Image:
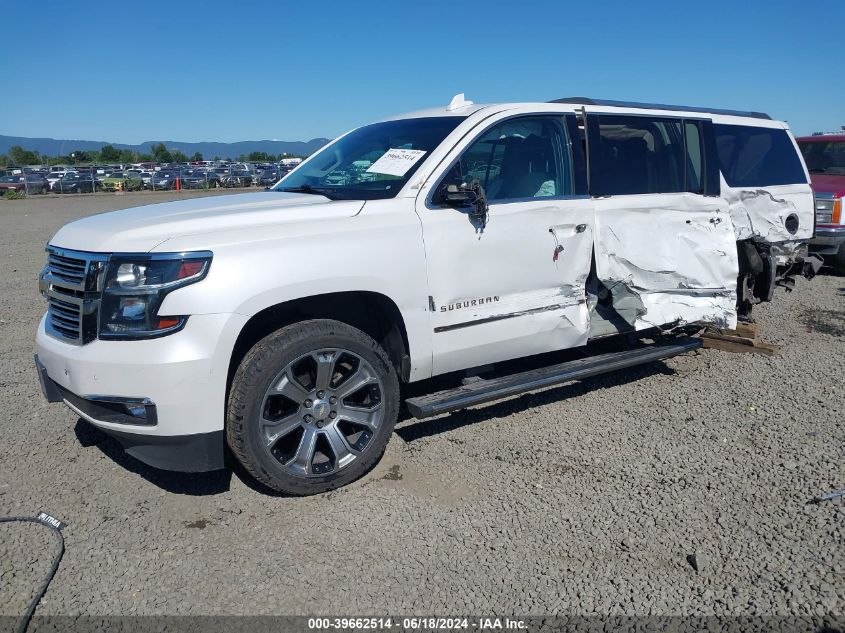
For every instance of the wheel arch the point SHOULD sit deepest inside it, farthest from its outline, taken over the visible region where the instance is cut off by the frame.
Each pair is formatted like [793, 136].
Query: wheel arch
[375, 314]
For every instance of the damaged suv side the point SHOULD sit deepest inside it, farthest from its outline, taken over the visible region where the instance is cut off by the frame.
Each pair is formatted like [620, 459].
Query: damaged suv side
[766, 184]
[282, 323]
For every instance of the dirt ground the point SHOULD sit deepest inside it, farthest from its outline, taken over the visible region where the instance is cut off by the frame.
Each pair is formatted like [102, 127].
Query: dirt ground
[589, 498]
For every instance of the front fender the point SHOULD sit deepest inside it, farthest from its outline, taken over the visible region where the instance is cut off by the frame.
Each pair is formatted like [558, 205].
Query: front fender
[379, 251]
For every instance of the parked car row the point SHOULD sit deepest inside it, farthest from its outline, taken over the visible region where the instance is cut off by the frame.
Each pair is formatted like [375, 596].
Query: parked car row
[58, 179]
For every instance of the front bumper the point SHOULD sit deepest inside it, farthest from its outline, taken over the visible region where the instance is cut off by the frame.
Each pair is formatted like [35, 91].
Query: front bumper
[163, 399]
[828, 240]
[201, 452]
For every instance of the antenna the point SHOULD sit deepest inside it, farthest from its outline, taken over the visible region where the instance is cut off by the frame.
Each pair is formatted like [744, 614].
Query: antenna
[458, 102]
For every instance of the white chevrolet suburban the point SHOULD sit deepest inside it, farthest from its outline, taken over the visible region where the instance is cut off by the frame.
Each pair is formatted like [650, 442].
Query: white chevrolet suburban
[282, 323]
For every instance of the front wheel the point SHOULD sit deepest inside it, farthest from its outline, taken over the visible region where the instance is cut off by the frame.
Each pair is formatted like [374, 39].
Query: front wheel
[312, 407]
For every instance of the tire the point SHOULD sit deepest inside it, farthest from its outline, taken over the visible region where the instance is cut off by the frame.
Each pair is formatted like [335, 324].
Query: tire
[278, 387]
[43, 191]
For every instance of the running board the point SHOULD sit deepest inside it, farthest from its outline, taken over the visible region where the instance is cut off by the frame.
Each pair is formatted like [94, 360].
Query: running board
[483, 391]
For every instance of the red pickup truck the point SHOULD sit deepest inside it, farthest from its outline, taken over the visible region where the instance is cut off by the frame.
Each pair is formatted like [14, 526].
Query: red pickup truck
[825, 158]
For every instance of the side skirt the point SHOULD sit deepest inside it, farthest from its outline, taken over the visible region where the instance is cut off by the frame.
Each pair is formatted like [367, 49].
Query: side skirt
[482, 391]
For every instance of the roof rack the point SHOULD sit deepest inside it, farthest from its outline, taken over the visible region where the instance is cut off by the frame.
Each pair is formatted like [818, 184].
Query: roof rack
[657, 106]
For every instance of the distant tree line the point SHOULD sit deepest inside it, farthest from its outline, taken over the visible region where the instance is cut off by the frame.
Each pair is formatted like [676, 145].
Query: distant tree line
[18, 157]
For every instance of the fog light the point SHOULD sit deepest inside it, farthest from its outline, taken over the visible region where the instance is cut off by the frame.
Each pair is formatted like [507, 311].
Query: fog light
[114, 410]
[137, 410]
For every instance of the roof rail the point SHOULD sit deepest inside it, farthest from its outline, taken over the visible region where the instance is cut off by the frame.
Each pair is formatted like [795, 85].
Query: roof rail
[658, 106]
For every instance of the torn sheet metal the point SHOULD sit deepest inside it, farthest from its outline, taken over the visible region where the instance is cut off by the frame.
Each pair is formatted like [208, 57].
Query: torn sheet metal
[666, 264]
[763, 213]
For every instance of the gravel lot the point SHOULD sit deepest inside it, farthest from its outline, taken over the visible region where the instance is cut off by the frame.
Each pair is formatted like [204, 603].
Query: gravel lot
[588, 498]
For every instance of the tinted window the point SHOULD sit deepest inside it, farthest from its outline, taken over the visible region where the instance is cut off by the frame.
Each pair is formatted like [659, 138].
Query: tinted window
[757, 157]
[518, 159]
[634, 155]
[695, 157]
[824, 157]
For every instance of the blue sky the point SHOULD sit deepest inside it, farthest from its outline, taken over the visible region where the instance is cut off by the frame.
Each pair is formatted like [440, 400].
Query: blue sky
[241, 70]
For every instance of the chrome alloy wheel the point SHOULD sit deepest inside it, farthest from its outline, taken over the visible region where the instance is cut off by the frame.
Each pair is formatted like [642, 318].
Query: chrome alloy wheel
[321, 411]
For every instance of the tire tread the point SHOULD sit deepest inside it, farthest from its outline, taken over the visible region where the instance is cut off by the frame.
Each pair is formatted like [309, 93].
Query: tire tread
[247, 382]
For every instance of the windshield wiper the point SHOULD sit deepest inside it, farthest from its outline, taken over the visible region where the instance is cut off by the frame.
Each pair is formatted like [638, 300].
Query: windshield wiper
[318, 191]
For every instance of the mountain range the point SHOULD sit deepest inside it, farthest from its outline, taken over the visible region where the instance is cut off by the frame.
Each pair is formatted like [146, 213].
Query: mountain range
[62, 147]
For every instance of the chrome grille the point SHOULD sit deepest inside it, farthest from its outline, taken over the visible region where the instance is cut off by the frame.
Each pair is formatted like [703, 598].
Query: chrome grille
[71, 282]
[64, 318]
[67, 268]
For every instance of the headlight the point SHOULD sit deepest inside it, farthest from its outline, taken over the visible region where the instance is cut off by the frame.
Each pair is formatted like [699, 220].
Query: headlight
[134, 287]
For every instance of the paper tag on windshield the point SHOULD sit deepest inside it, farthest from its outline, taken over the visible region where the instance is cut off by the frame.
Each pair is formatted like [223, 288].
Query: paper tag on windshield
[396, 162]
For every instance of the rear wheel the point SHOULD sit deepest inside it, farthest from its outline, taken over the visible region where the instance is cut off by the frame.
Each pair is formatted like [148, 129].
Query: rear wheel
[312, 407]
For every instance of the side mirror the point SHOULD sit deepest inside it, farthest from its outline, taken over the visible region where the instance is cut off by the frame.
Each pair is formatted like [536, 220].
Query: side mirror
[458, 195]
[468, 194]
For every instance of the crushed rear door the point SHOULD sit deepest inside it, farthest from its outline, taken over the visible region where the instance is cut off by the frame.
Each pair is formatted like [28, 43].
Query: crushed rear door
[664, 245]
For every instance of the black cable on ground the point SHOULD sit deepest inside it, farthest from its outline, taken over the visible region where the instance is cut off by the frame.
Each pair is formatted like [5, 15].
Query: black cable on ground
[42, 588]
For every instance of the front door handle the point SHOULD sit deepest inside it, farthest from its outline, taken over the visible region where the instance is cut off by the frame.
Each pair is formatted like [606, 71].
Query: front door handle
[580, 228]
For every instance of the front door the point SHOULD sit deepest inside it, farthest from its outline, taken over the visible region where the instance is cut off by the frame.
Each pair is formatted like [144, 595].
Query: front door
[516, 285]
[665, 246]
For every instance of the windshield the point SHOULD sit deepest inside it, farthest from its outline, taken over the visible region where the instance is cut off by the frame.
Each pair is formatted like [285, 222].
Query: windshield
[824, 157]
[372, 162]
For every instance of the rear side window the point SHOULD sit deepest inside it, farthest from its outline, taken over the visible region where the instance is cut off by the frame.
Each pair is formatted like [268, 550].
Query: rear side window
[636, 155]
[757, 157]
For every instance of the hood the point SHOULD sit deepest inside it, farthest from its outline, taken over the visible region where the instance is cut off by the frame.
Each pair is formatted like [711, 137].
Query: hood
[140, 229]
[828, 183]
